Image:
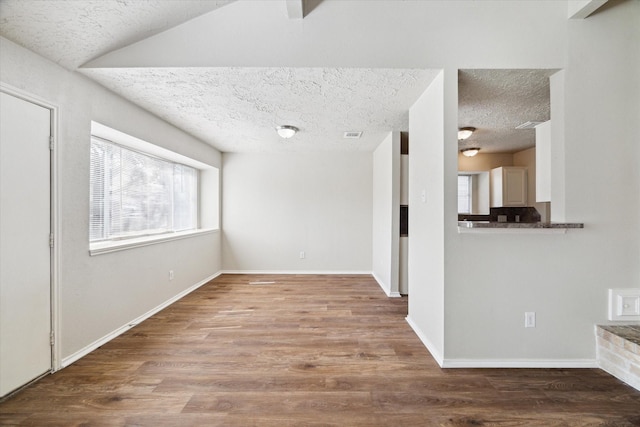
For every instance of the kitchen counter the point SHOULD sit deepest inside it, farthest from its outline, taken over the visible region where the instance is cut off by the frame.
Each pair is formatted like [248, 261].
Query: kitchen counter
[515, 227]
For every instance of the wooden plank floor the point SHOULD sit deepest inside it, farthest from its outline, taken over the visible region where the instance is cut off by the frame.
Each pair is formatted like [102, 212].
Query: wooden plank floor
[304, 351]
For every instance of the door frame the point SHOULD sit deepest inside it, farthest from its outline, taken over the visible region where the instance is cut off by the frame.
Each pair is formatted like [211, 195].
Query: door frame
[54, 184]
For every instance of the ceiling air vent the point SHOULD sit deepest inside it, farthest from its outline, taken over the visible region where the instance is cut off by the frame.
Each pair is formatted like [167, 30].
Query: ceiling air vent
[528, 125]
[352, 135]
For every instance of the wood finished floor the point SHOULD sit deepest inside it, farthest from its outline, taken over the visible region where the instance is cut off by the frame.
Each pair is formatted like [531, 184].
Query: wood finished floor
[305, 351]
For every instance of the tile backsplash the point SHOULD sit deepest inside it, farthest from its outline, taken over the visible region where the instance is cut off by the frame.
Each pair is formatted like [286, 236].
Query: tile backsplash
[522, 214]
[525, 214]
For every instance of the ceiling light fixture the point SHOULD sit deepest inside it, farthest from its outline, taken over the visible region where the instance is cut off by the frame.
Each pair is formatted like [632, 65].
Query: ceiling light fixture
[470, 152]
[464, 133]
[286, 131]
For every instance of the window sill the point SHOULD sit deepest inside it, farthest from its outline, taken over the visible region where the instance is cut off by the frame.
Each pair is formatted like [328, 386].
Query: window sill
[121, 245]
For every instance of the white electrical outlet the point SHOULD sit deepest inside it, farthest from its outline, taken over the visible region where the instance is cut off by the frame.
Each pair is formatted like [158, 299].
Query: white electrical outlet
[530, 319]
[302, 255]
[170, 274]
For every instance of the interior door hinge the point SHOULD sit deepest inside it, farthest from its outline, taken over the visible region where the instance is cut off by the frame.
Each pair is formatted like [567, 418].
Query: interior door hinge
[51, 142]
[51, 240]
[52, 338]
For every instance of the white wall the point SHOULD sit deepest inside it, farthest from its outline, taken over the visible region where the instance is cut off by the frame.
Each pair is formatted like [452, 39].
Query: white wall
[468, 292]
[492, 279]
[426, 219]
[100, 294]
[276, 205]
[386, 214]
[557, 148]
[381, 34]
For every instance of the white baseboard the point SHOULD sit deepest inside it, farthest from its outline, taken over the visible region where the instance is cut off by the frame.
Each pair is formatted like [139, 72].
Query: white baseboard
[331, 272]
[384, 287]
[443, 363]
[101, 341]
[381, 283]
[500, 363]
[427, 343]
[520, 363]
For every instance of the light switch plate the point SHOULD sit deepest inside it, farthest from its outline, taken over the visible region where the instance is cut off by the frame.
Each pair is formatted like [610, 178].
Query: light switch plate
[624, 304]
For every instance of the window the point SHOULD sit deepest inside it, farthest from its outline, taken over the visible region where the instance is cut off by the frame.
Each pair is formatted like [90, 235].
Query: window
[464, 193]
[143, 194]
[134, 194]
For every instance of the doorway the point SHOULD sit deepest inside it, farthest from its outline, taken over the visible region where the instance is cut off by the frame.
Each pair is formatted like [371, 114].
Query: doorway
[26, 240]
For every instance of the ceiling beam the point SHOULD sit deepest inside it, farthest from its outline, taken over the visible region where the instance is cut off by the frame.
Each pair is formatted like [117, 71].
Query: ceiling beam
[580, 9]
[295, 9]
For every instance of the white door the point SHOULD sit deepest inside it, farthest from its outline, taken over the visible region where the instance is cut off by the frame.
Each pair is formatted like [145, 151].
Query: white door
[25, 255]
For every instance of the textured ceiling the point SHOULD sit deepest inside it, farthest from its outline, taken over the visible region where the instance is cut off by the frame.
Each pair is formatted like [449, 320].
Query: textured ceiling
[496, 101]
[72, 32]
[237, 109]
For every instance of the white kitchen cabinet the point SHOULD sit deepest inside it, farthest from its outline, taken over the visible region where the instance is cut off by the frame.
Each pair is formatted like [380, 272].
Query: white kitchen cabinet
[543, 162]
[508, 186]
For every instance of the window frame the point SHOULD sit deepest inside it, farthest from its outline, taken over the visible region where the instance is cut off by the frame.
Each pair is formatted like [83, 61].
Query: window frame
[208, 193]
[151, 232]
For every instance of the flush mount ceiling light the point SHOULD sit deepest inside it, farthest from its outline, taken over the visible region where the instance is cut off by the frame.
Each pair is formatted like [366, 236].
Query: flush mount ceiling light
[470, 152]
[286, 131]
[464, 133]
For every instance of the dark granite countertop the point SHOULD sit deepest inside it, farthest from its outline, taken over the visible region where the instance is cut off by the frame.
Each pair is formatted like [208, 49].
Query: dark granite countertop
[488, 224]
[628, 332]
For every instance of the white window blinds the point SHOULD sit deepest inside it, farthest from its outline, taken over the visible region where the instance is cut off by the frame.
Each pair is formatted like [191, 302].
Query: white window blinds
[134, 194]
